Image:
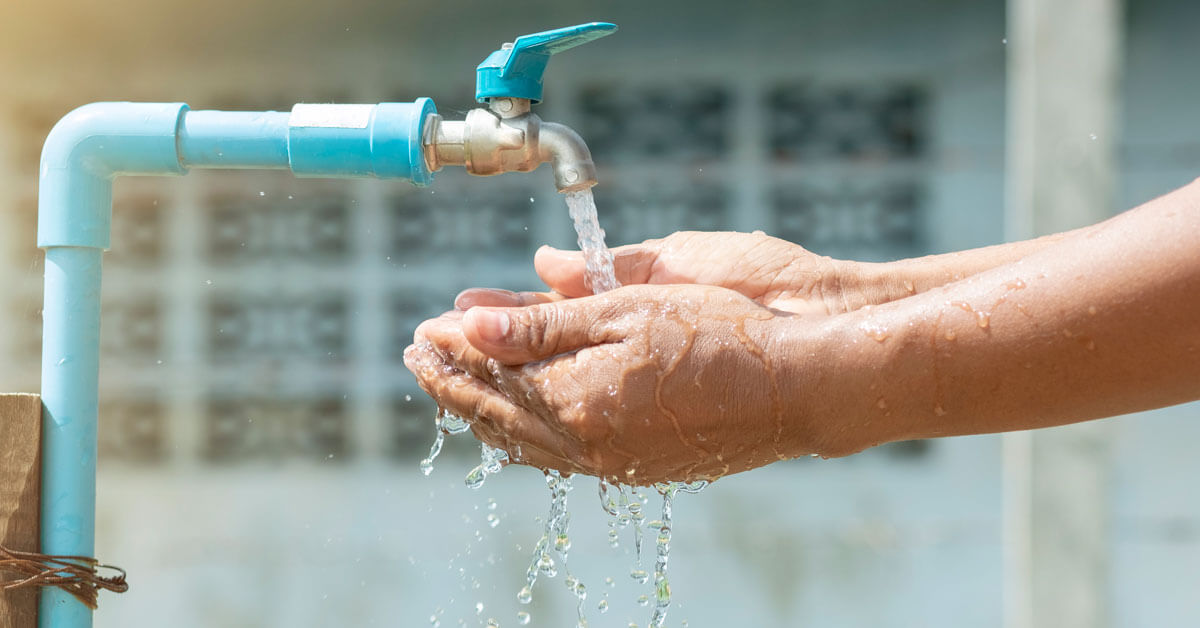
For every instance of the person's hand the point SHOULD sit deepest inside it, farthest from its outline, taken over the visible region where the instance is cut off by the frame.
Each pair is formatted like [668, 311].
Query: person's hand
[773, 272]
[639, 385]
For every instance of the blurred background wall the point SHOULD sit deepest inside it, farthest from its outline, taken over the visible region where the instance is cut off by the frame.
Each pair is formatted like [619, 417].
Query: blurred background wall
[260, 436]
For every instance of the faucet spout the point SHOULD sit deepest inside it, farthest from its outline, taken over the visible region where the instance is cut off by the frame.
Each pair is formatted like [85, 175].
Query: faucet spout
[507, 137]
[569, 156]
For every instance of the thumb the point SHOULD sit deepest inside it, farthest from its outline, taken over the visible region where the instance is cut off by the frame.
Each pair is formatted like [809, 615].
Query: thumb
[564, 271]
[516, 335]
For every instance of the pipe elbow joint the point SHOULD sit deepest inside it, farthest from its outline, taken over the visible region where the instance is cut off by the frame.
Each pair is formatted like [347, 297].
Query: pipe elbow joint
[85, 151]
[568, 155]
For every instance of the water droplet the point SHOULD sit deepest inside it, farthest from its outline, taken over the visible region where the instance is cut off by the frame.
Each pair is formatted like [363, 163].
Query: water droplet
[523, 618]
[475, 478]
[877, 333]
[493, 520]
[262, 193]
[492, 623]
[434, 621]
[643, 600]
[426, 466]
[1092, 136]
[951, 334]
[525, 595]
[478, 608]
[491, 503]
[982, 319]
[408, 397]
[939, 410]
[639, 575]
[609, 581]
[546, 566]
[908, 285]
[602, 606]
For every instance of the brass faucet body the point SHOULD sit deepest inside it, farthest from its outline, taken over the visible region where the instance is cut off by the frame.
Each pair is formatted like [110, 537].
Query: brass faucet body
[507, 137]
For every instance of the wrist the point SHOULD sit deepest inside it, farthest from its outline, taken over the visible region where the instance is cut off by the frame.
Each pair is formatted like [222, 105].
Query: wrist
[858, 380]
[891, 281]
[821, 375]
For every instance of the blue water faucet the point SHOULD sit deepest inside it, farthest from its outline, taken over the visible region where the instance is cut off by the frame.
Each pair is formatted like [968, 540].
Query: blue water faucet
[506, 136]
[96, 143]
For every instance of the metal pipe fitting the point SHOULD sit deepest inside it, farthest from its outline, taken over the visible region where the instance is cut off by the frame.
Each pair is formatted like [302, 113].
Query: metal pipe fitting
[507, 137]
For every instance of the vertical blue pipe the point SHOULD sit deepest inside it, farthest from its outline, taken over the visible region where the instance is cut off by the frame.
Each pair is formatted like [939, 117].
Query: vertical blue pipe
[84, 152]
[70, 388]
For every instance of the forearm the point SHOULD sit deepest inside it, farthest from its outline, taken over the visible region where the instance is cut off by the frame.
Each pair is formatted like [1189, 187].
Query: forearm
[1100, 322]
[906, 277]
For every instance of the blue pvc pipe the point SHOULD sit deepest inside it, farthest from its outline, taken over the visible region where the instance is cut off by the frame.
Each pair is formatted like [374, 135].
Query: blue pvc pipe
[234, 139]
[70, 388]
[84, 152]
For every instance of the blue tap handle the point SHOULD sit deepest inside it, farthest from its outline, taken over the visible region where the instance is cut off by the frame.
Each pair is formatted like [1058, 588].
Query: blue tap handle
[516, 71]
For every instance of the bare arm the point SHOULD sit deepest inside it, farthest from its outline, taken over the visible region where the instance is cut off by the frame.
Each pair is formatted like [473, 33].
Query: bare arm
[902, 278]
[691, 381]
[1095, 323]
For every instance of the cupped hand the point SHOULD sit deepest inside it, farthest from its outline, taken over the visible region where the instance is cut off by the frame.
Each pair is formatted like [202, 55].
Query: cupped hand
[638, 385]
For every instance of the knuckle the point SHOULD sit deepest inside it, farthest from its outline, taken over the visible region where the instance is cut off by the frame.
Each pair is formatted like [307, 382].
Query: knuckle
[544, 328]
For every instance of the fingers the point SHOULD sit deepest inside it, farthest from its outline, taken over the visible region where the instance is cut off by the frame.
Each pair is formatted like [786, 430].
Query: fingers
[444, 336]
[563, 271]
[529, 334]
[496, 419]
[491, 297]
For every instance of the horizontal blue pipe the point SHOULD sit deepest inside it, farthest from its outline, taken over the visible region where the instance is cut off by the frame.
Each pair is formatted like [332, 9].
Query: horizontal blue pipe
[234, 139]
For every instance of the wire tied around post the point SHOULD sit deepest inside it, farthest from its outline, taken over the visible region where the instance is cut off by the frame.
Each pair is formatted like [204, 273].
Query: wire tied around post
[77, 575]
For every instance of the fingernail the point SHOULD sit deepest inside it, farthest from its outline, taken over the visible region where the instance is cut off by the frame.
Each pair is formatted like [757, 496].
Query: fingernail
[558, 255]
[492, 326]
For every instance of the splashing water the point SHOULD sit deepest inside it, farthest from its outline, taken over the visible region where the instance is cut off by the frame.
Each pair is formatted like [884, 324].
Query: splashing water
[438, 441]
[444, 423]
[624, 509]
[491, 461]
[557, 525]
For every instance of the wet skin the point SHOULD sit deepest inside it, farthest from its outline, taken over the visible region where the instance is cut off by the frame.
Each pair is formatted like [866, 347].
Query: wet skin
[783, 353]
[657, 383]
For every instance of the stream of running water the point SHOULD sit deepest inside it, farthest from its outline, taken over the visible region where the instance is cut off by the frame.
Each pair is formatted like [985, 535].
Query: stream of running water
[623, 504]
